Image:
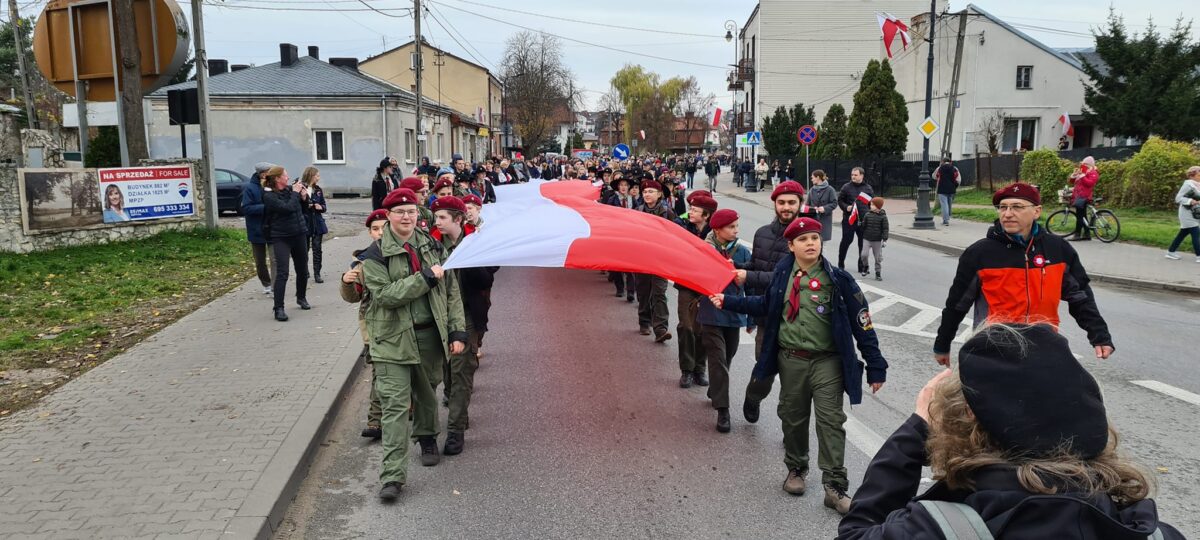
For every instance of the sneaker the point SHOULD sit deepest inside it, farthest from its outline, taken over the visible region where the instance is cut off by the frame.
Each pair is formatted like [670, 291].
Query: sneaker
[836, 498]
[630, 299]
[1198, 259]
[268, 291]
[663, 337]
[390, 491]
[878, 277]
[372, 432]
[1172, 255]
[794, 483]
[644, 330]
[700, 378]
[429, 451]
[685, 380]
[454, 444]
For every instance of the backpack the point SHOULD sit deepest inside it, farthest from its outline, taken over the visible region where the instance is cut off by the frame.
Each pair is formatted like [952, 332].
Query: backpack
[958, 521]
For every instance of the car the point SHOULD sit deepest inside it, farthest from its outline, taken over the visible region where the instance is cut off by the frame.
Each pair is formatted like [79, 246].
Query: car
[229, 190]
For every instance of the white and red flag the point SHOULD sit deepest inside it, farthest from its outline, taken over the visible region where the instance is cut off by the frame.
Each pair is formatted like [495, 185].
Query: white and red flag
[560, 225]
[642, 134]
[1067, 128]
[715, 117]
[862, 198]
[891, 25]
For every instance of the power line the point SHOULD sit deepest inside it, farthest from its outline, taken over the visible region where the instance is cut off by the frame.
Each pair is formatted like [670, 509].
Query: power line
[214, 3]
[376, 10]
[593, 23]
[438, 20]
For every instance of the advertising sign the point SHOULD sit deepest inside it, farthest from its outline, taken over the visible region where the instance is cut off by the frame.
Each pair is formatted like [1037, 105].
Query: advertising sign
[583, 154]
[140, 193]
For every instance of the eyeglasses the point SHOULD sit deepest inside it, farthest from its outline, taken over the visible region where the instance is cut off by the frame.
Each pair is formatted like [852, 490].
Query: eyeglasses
[1013, 207]
[412, 212]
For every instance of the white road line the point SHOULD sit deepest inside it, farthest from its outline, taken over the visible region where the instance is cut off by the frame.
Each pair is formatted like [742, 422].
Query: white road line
[919, 321]
[862, 437]
[1169, 390]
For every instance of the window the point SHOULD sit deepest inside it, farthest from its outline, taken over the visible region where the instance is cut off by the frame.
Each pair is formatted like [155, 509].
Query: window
[409, 145]
[1019, 134]
[327, 144]
[441, 145]
[1024, 77]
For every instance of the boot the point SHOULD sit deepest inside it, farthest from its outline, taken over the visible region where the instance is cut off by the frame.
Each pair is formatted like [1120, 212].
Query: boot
[317, 277]
[836, 498]
[372, 432]
[644, 330]
[429, 451]
[723, 420]
[303, 303]
[660, 338]
[750, 411]
[629, 298]
[700, 378]
[685, 380]
[280, 315]
[454, 444]
[390, 491]
[794, 483]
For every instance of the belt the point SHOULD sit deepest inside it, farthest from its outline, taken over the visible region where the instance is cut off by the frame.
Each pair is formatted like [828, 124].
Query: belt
[801, 353]
[425, 326]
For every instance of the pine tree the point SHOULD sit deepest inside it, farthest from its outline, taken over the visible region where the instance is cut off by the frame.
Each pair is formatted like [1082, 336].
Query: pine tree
[877, 126]
[831, 144]
[778, 137]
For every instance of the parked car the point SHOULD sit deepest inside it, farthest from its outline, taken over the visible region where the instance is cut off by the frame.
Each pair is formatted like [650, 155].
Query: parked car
[229, 190]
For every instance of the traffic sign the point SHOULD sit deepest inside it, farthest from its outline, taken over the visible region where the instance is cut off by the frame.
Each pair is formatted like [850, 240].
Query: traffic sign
[749, 139]
[621, 152]
[928, 127]
[806, 135]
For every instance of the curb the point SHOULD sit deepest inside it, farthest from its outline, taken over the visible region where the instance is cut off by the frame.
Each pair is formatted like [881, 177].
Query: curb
[268, 501]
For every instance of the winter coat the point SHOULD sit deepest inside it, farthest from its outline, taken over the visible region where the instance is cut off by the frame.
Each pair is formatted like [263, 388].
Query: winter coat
[356, 293]
[474, 284]
[314, 220]
[709, 315]
[1084, 185]
[702, 234]
[848, 196]
[875, 225]
[1020, 282]
[826, 197]
[283, 214]
[850, 323]
[887, 506]
[252, 209]
[379, 190]
[712, 168]
[769, 248]
[948, 178]
[393, 286]
[1190, 191]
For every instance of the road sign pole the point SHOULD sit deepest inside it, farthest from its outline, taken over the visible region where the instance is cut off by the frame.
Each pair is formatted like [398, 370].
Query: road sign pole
[807, 173]
[924, 218]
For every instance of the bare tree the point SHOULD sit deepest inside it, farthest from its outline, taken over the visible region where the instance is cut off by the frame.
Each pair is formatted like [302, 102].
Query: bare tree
[991, 129]
[612, 110]
[539, 86]
[694, 106]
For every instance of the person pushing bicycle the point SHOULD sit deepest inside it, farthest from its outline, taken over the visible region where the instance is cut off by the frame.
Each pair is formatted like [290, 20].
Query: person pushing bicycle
[1083, 182]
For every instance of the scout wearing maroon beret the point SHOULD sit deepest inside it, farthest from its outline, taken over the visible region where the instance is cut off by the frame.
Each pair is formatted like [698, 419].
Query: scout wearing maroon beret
[720, 331]
[653, 313]
[353, 291]
[421, 189]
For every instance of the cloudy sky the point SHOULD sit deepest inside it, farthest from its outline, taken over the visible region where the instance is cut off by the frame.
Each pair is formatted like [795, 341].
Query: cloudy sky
[670, 37]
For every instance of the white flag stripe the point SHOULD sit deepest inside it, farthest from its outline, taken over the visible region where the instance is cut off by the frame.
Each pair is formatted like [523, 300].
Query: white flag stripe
[522, 228]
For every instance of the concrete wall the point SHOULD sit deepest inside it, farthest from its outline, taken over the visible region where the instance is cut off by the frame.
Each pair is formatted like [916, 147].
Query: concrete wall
[464, 86]
[14, 239]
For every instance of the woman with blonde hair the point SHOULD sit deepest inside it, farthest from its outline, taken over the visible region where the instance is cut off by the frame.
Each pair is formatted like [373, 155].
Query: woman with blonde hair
[1020, 446]
[283, 226]
[314, 217]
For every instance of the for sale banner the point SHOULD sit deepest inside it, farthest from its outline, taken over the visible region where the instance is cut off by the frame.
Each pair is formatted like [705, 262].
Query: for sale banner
[139, 193]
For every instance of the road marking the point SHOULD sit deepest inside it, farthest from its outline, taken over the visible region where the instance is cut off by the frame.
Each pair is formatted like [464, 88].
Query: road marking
[862, 437]
[1169, 390]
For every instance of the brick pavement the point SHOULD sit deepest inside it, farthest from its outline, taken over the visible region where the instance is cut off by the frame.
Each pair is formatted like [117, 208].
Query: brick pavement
[201, 431]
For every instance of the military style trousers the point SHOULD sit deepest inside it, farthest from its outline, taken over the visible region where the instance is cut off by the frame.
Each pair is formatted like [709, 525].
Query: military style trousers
[375, 412]
[692, 358]
[402, 387]
[652, 302]
[720, 345]
[758, 390]
[808, 385]
[461, 384]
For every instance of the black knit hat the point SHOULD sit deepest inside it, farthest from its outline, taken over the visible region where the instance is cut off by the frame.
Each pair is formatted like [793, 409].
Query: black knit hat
[1030, 394]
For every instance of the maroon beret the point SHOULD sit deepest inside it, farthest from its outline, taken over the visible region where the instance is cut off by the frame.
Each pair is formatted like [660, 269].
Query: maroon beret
[698, 193]
[472, 198]
[448, 202]
[398, 197]
[790, 187]
[722, 217]
[443, 183]
[651, 184]
[703, 201]
[376, 216]
[1019, 190]
[413, 183]
[800, 226]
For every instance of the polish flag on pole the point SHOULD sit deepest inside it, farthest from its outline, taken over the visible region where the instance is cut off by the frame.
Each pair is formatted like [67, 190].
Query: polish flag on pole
[890, 25]
[560, 225]
[1065, 120]
[642, 134]
[715, 117]
[862, 198]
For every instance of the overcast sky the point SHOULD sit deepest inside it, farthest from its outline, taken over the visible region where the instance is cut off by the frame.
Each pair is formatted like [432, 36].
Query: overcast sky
[676, 31]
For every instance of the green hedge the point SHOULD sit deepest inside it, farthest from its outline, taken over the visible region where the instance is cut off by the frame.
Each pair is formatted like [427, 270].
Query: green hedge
[1046, 170]
[1149, 179]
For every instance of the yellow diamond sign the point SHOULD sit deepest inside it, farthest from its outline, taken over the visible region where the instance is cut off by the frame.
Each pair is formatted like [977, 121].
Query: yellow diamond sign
[928, 127]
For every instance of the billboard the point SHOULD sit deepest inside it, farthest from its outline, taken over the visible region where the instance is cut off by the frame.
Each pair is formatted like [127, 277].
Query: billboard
[141, 193]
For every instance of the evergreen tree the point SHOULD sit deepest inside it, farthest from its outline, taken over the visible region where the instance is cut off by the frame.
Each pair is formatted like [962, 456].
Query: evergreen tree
[831, 144]
[104, 150]
[877, 127]
[778, 136]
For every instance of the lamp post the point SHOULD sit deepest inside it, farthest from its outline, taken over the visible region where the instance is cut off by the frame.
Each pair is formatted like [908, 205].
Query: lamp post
[731, 29]
[924, 218]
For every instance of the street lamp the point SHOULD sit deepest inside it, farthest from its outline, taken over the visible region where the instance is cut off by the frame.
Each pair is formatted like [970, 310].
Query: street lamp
[731, 29]
[924, 218]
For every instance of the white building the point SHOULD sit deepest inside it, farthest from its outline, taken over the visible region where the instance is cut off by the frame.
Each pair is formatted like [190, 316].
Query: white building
[810, 52]
[1004, 75]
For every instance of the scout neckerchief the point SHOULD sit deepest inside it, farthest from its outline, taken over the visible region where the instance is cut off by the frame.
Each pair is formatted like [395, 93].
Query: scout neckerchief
[414, 263]
[794, 298]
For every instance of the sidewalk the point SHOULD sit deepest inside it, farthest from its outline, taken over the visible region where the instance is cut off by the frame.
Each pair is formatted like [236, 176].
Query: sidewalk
[204, 430]
[1118, 263]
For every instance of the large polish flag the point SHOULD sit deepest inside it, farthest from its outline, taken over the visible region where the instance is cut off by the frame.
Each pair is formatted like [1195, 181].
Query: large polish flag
[560, 225]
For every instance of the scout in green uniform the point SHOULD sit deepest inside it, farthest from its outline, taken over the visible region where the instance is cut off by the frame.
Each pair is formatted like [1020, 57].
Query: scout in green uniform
[353, 291]
[420, 187]
[651, 289]
[692, 358]
[415, 321]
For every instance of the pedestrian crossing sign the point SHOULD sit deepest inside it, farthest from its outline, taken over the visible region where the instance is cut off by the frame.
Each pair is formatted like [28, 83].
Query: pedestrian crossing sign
[749, 139]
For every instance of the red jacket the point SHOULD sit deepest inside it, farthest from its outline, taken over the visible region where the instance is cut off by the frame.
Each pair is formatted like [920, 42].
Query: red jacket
[1085, 184]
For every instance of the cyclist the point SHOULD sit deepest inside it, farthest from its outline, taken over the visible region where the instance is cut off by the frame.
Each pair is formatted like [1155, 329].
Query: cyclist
[1019, 274]
[1083, 181]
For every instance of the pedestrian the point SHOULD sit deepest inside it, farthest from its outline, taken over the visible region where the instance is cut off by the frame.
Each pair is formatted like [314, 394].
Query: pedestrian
[692, 359]
[426, 168]
[474, 208]
[948, 180]
[854, 199]
[382, 184]
[815, 315]
[252, 209]
[1019, 274]
[789, 172]
[421, 188]
[444, 187]
[415, 321]
[875, 232]
[1083, 182]
[822, 200]
[690, 170]
[353, 291]
[760, 175]
[746, 171]
[1188, 200]
[283, 224]
[770, 247]
[712, 168]
[651, 289]
[314, 217]
[719, 329]
[1027, 452]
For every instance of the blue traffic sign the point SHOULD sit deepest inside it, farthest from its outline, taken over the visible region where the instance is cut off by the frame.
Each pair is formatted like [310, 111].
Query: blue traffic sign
[806, 135]
[621, 152]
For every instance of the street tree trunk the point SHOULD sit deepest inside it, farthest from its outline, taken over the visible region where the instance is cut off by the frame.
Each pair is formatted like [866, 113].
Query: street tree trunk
[130, 58]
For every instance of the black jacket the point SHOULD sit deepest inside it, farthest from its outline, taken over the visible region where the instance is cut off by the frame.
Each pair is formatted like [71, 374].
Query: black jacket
[379, 190]
[887, 506]
[848, 195]
[947, 179]
[875, 225]
[769, 248]
[283, 215]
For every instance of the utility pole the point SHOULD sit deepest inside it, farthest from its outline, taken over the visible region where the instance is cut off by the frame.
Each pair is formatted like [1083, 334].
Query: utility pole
[923, 218]
[23, 70]
[952, 99]
[418, 65]
[131, 82]
[210, 207]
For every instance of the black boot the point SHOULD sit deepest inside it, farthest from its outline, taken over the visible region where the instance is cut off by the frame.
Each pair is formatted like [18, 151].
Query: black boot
[390, 491]
[429, 451]
[303, 303]
[700, 379]
[685, 380]
[372, 432]
[723, 420]
[750, 411]
[454, 444]
[280, 315]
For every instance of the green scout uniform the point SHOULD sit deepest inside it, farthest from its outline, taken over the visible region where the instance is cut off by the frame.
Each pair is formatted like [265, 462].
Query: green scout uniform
[411, 320]
[692, 358]
[424, 218]
[810, 377]
[460, 372]
[357, 293]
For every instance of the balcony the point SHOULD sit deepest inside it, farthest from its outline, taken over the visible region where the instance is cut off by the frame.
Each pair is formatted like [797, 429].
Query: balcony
[741, 122]
[745, 70]
[734, 85]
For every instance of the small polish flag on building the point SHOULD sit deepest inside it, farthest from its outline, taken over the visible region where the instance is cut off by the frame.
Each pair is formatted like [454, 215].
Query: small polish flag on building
[891, 25]
[1067, 128]
[642, 134]
[715, 117]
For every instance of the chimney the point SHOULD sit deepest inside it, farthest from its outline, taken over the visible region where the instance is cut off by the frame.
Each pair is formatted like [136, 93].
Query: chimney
[287, 54]
[238, 67]
[350, 63]
[314, 52]
[217, 67]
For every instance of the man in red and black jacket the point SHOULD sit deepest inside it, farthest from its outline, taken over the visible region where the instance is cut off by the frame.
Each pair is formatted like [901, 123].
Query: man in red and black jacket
[1020, 274]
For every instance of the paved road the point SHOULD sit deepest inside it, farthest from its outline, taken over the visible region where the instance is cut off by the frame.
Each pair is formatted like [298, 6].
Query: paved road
[581, 431]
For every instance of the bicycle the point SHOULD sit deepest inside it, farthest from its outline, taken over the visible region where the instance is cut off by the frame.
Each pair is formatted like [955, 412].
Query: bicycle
[1102, 222]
